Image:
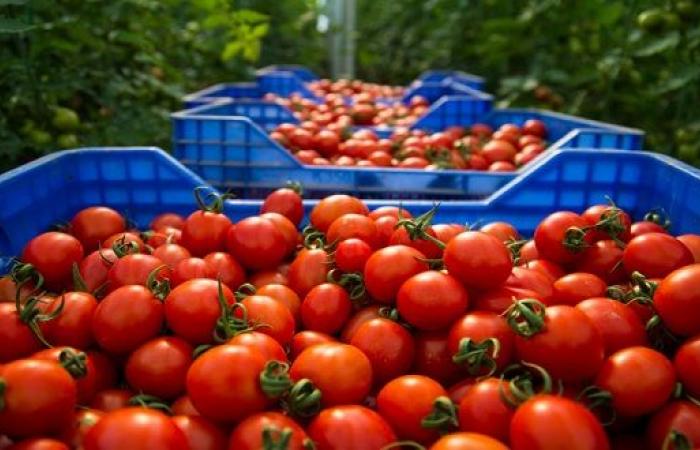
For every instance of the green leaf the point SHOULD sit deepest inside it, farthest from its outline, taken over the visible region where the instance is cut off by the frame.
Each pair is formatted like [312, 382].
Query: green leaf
[232, 49]
[659, 45]
[248, 15]
[259, 31]
[683, 78]
[610, 13]
[14, 26]
[12, 2]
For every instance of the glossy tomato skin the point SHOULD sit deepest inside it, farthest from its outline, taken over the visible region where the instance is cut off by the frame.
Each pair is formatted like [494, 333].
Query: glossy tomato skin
[503, 231]
[211, 376]
[308, 269]
[433, 358]
[83, 420]
[39, 398]
[546, 267]
[167, 220]
[545, 422]
[405, 401]
[350, 226]
[171, 254]
[342, 372]
[305, 339]
[126, 237]
[644, 227]
[334, 206]
[388, 345]
[680, 415]
[569, 347]
[350, 427]
[576, 287]
[498, 300]
[401, 237]
[159, 367]
[204, 232]
[480, 326]
[431, 300]
[277, 319]
[247, 435]
[284, 201]
[655, 255]
[385, 229]
[135, 269]
[647, 393]
[352, 254]
[93, 225]
[135, 429]
[467, 441]
[549, 236]
[192, 309]
[677, 301]
[285, 296]
[604, 259]
[53, 255]
[39, 444]
[126, 318]
[687, 364]
[388, 268]
[16, 338]
[94, 269]
[616, 322]
[256, 243]
[533, 280]
[111, 400]
[201, 434]
[482, 410]
[265, 344]
[692, 241]
[87, 384]
[226, 268]
[326, 308]
[363, 315]
[478, 260]
[189, 269]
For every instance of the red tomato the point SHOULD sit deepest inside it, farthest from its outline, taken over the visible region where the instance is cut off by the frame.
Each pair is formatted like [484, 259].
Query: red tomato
[431, 300]
[205, 232]
[388, 268]
[568, 346]
[124, 238]
[478, 260]
[171, 254]
[388, 346]
[482, 409]
[127, 318]
[535, 127]
[467, 441]
[327, 142]
[352, 226]
[308, 269]
[286, 227]
[578, 286]
[647, 393]
[431, 250]
[256, 243]
[111, 400]
[200, 433]
[533, 280]
[305, 339]
[352, 254]
[350, 427]
[500, 299]
[211, 376]
[334, 206]
[93, 225]
[433, 358]
[414, 162]
[105, 369]
[285, 296]
[38, 399]
[284, 201]
[479, 326]
[498, 150]
[159, 367]
[617, 222]
[681, 416]
[545, 422]
[687, 363]
[385, 229]
[189, 269]
[391, 211]
[445, 232]
[266, 345]
[248, 435]
[226, 269]
[135, 270]
[326, 308]
[405, 401]
[528, 252]
[677, 300]
[692, 241]
[184, 407]
[604, 259]
[655, 255]
[39, 444]
[644, 227]
[53, 255]
[192, 310]
[135, 429]
[72, 326]
[552, 270]
[551, 237]
[503, 231]
[78, 365]
[83, 420]
[481, 130]
[360, 317]
[16, 339]
[272, 317]
[616, 322]
[167, 220]
[342, 372]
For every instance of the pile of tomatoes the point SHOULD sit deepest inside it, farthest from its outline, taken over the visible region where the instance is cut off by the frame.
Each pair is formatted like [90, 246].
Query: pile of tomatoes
[479, 148]
[365, 330]
[353, 88]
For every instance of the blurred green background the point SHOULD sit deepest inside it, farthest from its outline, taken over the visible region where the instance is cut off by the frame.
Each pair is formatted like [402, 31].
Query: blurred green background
[93, 72]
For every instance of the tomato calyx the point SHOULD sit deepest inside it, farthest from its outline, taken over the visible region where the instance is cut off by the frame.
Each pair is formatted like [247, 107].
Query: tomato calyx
[275, 439]
[300, 399]
[213, 201]
[443, 417]
[675, 440]
[25, 274]
[403, 445]
[477, 356]
[229, 324]
[295, 186]
[599, 401]
[660, 337]
[150, 401]
[575, 239]
[31, 315]
[524, 385]
[526, 317]
[416, 227]
[74, 362]
[313, 238]
[658, 216]
[612, 224]
[390, 313]
[244, 290]
[159, 288]
[122, 247]
[515, 246]
[352, 282]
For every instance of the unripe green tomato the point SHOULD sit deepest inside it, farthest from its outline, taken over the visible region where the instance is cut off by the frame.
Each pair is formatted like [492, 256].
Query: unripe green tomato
[65, 119]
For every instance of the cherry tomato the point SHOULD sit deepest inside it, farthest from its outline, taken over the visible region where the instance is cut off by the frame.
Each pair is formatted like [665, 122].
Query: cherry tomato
[330, 208]
[184, 407]
[598, 214]
[352, 226]
[350, 427]
[123, 238]
[498, 150]
[39, 444]
[445, 232]
[388, 346]
[655, 255]
[284, 201]
[385, 229]
[127, 318]
[247, 435]
[551, 233]
[528, 252]
[285, 296]
[616, 322]
[647, 393]
[405, 401]
[135, 269]
[388, 268]
[83, 420]
[360, 317]
[286, 227]
[545, 422]
[111, 400]
[308, 269]
[687, 364]
[604, 259]
[16, 338]
[204, 232]
[211, 376]
[534, 280]
[191, 268]
[576, 287]
[692, 241]
[135, 429]
[105, 369]
[274, 318]
[552, 270]
[535, 127]
[467, 441]
[39, 398]
[167, 220]
[478, 260]
[498, 300]
[644, 227]
[83, 373]
[479, 326]
[53, 255]
[159, 367]
[93, 225]
[352, 254]
[677, 300]
[433, 358]
[171, 254]
[326, 308]
[342, 372]
[200, 433]
[391, 211]
[192, 309]
[226, 269]
[266, 345]
[503, 231]
[431, 300]
[256, 243]
[482, 409]
[681, 416]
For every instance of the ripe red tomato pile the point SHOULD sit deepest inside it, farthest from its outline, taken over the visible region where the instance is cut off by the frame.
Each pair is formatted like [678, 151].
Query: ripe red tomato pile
[366, 329]
[479, 148]
[356, 90]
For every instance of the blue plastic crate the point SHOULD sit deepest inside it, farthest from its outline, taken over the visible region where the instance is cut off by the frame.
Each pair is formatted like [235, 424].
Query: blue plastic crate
[473, 81]
[143, 182]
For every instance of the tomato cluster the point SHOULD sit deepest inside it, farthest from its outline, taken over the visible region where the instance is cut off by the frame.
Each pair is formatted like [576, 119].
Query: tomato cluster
[479, 148]
[356, 90]
[366, 329]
